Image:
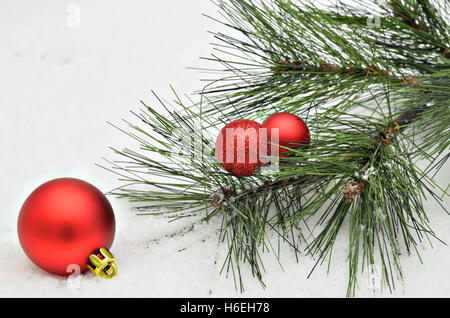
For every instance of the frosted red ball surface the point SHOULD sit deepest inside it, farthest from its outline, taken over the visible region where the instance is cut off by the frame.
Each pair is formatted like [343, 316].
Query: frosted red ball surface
[62, 222]
[242, 154]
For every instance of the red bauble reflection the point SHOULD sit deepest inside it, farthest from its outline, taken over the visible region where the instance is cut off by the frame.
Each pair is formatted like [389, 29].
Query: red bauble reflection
[244, 152]
[62, 222]
[293, 132]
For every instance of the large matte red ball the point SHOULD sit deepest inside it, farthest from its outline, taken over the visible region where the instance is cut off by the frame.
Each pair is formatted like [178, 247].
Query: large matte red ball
[242, 155]
[292, 131]
[62, 222]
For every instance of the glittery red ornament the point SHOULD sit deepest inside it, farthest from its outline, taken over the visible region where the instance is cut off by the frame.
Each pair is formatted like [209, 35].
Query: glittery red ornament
[292, 131]
[62, 222]
[241, 147]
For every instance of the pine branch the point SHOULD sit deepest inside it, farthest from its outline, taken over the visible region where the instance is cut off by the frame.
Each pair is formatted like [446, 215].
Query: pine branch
[310, 48]
[376, 100]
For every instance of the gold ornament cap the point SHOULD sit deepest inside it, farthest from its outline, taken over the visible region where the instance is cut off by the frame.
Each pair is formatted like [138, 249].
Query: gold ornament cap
[103, 264]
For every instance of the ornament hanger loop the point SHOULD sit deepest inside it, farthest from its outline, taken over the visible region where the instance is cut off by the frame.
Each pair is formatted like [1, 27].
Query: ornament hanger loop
[103, 264]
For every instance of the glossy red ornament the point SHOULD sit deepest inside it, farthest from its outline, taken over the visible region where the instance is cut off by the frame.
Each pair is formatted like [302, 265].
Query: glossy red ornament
[62, 222]
[292, 131]
[242, 155]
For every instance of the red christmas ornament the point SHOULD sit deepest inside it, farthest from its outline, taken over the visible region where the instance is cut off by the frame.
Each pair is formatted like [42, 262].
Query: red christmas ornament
[240, 147]
[62, 223]
[292, 131]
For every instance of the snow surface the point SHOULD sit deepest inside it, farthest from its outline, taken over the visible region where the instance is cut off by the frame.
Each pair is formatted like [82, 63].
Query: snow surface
[60, 84]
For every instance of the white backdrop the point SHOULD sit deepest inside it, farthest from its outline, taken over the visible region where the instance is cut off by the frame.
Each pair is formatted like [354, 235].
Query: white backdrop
[68, 67]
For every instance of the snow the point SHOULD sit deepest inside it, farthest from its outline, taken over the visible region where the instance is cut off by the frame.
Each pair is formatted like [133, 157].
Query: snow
[62, 78]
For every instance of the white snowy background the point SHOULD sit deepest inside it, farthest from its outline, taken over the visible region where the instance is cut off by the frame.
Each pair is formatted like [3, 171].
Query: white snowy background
[62, 77]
